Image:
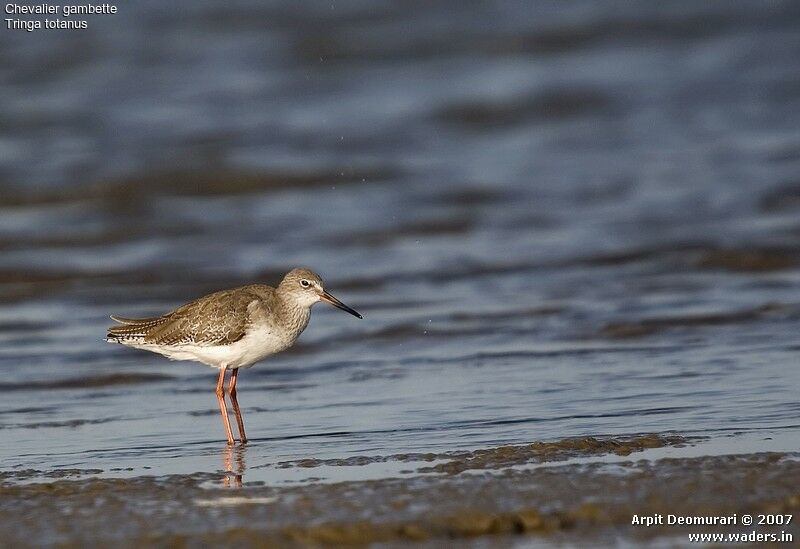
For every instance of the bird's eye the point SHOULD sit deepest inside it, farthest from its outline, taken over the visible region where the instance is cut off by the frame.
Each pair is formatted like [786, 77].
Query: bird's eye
[305, 283]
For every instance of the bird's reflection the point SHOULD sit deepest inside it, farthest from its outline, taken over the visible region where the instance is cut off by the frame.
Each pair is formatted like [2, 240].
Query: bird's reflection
[233, 460]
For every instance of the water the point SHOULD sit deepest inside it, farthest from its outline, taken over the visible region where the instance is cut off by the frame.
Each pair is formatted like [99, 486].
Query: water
[580, 220]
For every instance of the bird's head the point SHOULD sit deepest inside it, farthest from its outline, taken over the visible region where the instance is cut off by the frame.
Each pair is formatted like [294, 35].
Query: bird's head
[305, 287]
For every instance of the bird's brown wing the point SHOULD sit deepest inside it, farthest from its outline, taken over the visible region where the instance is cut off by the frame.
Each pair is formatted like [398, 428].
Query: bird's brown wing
[220, 318]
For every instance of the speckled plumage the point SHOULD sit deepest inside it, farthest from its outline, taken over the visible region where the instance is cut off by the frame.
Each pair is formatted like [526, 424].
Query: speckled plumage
[232, 328]
[220, 318]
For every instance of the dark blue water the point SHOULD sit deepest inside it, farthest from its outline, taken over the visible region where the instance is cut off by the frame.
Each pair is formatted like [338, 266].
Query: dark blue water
[578, 219]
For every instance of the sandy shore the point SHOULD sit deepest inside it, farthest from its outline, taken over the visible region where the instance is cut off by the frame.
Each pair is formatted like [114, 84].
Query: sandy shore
[537, 493]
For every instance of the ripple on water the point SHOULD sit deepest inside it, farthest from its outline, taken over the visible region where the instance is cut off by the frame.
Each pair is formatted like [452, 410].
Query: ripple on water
[543, 249]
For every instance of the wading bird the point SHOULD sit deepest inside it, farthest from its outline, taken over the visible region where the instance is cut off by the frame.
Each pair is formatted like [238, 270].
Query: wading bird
[230, 329]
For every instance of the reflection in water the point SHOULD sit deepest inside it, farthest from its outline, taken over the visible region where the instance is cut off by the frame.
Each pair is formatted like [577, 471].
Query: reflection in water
[233, 461]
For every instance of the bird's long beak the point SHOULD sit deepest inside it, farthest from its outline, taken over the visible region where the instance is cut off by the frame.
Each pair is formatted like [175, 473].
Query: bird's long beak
[328, 298]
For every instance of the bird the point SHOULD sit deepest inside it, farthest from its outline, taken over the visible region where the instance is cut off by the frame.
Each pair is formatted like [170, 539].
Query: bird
[231, 329]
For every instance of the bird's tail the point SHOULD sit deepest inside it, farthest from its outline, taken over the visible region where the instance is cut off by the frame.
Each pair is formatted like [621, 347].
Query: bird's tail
[132, 329]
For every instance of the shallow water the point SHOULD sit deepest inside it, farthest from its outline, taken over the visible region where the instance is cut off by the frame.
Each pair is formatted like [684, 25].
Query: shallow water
[568, 223]
[556, 505]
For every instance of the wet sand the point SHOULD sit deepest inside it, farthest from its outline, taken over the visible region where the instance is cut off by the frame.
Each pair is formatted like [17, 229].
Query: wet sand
[562, 492]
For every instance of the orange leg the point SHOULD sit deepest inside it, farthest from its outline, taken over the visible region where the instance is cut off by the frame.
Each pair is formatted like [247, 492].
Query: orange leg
[222, 409]
[235, 403]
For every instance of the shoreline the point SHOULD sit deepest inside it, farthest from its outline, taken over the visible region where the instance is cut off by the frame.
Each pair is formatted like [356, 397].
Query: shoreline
[543, 491]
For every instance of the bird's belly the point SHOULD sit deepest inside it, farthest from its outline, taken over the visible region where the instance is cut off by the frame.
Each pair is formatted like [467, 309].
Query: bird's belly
[253, 347]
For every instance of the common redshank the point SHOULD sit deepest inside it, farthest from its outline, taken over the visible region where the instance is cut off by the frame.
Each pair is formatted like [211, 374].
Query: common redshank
[230, 329]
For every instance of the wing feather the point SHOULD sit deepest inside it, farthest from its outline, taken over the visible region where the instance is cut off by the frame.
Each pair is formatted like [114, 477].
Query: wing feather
[220, 318]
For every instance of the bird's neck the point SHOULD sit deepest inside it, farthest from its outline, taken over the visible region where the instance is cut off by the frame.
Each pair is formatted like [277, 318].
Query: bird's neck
[293, 315]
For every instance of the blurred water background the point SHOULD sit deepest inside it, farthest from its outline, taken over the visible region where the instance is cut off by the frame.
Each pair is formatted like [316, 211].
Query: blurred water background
[561, 219]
